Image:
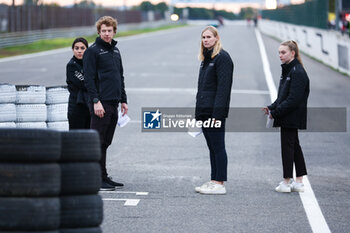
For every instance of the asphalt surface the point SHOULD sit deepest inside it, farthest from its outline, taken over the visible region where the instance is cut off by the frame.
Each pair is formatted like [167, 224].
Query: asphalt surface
[169, 165]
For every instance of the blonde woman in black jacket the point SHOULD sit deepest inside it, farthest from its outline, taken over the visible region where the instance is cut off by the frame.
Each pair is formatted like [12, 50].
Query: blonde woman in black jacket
[289, 112]
[212, 103]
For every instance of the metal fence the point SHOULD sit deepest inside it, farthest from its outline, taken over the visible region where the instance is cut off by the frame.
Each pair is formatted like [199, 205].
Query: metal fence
[28, 18]
[312, 13]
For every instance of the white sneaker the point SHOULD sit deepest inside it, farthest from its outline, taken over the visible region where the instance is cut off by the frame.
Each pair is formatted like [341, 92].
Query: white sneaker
[198, 189]
[283, 188]
[213, 188]
[297, 187]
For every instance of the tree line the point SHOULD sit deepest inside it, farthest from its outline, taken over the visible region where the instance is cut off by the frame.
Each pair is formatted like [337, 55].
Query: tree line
[162, 7]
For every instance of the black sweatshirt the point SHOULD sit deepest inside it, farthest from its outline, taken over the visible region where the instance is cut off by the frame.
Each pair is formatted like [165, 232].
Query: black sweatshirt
[103, 71]
[290, 108]
[75, 81]
[214, 86]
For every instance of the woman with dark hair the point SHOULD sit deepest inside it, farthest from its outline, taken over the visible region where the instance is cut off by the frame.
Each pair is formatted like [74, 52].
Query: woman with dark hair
[289, 113]
[78, 111]
[212, 103]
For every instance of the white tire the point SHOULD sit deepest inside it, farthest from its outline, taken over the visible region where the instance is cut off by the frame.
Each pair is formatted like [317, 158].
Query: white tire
[31, 112]
[7, 125]
[7, 112]
[57, 95]
[7, 93]
[58, 125]
[31, 125]
[57, 112]
[31, 95]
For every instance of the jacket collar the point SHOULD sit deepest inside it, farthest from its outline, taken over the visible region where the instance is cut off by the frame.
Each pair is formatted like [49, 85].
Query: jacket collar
[286, 68]
[207, 53]
[79, 61]
[105, 44]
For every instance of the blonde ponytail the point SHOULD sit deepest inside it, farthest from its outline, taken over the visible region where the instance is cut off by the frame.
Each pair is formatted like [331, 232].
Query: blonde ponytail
[293, 46]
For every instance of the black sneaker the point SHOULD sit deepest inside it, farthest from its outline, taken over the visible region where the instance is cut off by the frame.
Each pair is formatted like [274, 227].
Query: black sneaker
[109, 181]
[106, 187]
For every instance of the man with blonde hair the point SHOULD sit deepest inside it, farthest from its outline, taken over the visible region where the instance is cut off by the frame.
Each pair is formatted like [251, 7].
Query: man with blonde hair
[104, 80]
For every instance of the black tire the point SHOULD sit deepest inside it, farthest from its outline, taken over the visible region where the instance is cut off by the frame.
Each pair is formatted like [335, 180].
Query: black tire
[80, 178]
[34, 145]
[80, 146]
[30, 180]
[81, 211]
[29, 214]
[81, 230]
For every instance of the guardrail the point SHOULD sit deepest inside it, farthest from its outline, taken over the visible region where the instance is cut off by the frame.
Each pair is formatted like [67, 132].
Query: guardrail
[20, 38]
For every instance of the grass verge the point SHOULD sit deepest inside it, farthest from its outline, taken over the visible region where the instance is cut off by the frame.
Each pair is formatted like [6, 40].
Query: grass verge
[49, 44]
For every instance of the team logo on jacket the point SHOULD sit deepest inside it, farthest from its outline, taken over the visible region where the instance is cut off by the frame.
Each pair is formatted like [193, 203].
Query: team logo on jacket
[152, 120]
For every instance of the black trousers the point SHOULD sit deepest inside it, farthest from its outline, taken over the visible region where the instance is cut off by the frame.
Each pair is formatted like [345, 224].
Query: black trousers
[292, 153]
[215, 138]
[79, 117]
[105, 127]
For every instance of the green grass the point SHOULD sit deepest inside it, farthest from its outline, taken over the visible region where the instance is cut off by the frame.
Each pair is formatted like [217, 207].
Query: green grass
[49, 44]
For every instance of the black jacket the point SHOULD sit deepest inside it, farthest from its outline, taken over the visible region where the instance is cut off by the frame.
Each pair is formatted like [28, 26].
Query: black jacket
[290, 108]
[75, 80]
[214, 86]
[103, 71]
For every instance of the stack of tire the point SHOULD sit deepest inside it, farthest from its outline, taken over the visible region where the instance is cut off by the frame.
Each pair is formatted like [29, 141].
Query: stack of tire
[7, 106]
[57, 105]
[81, 206]
[49, 181]
[31, 110]
[29, 180]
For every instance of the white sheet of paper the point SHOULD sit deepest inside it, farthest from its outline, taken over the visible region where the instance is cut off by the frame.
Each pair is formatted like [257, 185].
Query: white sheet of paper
[194, 132]
[123, 120]
[269, 121]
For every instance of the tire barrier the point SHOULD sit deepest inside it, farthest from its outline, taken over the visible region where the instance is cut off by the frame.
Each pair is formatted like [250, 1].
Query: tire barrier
[59, 125]
[7, 124]
[7, 93]
[57, 112]
[29, 180]
[29, 145]
[31, 110]
[36, 125]
[34, 106]
[7, 106]
[50, 181]
[57, 95]
[30, 94]
[31, 113]
[8, 112]
[81, 206]
[57, 105]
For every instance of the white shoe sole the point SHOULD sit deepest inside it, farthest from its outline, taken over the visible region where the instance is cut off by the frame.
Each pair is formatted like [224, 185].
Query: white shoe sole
[213, 193]
[283, 191]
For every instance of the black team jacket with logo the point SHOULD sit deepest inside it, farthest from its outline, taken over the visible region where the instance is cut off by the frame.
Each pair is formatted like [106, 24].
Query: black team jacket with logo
[290, 108]
[214, 86]
[103, 71]
[75, 81]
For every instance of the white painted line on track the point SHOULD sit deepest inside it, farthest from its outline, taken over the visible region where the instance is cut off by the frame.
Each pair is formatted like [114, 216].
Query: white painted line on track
[128, 202]
[127, 192]
[313, 211]
[266, 66]
[192, 91]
